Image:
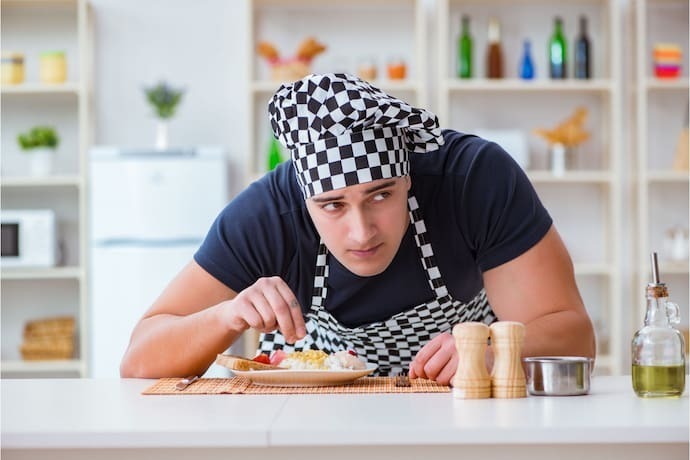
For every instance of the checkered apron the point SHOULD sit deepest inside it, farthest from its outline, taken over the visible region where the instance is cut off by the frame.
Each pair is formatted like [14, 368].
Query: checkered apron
[391, 344]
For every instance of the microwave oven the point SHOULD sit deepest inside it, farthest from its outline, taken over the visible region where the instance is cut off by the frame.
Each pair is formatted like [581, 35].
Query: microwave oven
[28, 238]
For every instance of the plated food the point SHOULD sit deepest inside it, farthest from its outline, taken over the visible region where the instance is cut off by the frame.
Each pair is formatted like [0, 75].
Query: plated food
[301, 368]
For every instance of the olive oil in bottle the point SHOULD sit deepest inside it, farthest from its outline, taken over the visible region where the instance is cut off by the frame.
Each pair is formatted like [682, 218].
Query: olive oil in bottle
[658, 349]
[658, 380]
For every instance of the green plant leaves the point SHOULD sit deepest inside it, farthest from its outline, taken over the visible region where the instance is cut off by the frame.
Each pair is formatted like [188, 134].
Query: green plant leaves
[164, 99]
[38, 136]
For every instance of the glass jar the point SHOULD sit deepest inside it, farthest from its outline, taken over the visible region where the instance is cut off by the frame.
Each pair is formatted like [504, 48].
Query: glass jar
[366, 69]
[658, 349]
[396, 68]
[53, 68]
[12, 68]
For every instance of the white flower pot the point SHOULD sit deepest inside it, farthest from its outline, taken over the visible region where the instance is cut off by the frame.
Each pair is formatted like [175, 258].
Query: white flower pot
[161, 135]
[41, 161]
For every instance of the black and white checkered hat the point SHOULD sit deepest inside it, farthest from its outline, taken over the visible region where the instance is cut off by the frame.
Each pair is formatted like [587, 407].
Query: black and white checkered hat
[342, 131]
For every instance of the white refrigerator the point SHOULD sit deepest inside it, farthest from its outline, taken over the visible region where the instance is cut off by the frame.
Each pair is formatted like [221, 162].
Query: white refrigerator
[149, 212]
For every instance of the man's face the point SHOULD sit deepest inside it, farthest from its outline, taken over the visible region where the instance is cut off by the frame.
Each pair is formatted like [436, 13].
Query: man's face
[363, 225]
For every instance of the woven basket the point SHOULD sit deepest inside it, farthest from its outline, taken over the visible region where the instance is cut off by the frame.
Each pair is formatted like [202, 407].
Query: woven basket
[48, 339]
[48, 348]
[50, 327]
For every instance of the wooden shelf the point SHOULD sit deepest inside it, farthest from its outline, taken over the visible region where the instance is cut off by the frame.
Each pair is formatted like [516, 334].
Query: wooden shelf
[42, 367]
[269, 87]
[572, 177]
[517, 85]
[668, 176]
[41, 273]
[50, 181]
[71, 88]
[34, 292]
[670, 267]
[668, 84]
[517, 104]
[662, 194]
[38, 3]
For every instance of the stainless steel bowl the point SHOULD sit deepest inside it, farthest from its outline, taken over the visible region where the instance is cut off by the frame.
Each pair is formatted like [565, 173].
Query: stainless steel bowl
[558, 375]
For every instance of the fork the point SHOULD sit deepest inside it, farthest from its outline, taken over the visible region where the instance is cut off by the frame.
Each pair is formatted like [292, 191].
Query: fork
[184, 383]
[402, 379]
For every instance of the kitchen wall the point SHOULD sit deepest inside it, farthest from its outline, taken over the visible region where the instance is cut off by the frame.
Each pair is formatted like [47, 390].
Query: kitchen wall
[198, 45]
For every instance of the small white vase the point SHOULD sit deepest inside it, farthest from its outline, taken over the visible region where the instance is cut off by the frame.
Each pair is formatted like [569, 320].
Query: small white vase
[41, 161]
[161, 135]
[557, 159]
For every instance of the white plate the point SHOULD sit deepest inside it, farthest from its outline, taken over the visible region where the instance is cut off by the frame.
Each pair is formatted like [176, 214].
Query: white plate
[304, 377]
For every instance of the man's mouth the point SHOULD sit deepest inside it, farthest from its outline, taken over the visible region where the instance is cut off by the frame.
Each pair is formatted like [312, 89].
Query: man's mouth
[366, 252]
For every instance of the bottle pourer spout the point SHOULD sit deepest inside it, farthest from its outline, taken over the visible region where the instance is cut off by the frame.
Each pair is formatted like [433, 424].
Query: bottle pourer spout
[655, 268]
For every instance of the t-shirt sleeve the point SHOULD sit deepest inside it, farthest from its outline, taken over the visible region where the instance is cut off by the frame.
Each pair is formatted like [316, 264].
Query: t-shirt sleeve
[242, 244]
[500, 212]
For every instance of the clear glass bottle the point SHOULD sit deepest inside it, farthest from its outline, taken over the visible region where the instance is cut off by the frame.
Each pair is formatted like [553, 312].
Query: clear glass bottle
[658, 349]
[465, 49]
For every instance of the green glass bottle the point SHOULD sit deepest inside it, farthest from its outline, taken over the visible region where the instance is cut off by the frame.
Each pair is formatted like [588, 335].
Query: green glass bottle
[465, 49]
[275, 154]
[558, 51]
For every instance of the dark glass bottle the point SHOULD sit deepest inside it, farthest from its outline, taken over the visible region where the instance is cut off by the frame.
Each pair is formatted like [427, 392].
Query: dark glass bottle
[526, 63]
[558, 51]
[465, 49]
[582, 52]
[494, 56]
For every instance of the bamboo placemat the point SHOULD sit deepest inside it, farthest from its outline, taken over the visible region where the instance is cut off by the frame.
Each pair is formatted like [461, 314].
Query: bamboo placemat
[240, 385]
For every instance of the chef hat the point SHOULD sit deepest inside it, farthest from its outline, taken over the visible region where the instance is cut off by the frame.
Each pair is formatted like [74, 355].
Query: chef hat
[342, 131]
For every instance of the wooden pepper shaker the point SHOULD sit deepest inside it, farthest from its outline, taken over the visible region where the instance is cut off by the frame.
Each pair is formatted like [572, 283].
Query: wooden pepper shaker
[471, 380]
[507, 375]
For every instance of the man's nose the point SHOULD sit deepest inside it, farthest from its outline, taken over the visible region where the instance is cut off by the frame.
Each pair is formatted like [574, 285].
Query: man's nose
[362, 227]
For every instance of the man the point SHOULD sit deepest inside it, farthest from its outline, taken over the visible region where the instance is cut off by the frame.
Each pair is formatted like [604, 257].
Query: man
[379, 236]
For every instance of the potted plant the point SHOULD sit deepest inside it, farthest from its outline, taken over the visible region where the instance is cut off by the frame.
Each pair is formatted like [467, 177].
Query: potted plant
[164, 100]
[40, 143]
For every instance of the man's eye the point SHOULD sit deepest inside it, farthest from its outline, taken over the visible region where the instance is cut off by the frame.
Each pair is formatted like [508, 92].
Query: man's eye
[331, 206]
[381, 196]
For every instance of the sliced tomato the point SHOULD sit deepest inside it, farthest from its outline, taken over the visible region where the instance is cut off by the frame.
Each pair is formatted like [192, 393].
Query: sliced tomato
[262, 358]
[277, 357]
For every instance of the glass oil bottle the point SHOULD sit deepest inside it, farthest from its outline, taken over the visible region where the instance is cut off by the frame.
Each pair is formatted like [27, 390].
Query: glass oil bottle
[658, 349]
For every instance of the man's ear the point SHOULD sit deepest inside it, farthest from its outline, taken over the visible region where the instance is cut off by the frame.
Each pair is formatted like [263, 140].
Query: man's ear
[408, 182]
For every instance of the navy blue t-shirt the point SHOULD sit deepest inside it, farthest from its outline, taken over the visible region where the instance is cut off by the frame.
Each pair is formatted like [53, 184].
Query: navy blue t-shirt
[479, 208]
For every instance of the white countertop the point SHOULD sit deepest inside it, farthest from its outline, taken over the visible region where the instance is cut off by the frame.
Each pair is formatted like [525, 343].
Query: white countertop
[82, 413]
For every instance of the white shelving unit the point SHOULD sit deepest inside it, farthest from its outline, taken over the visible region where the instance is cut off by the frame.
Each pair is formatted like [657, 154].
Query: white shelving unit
[511, 103]
[661, 112]
[285, 23]
[32, 26]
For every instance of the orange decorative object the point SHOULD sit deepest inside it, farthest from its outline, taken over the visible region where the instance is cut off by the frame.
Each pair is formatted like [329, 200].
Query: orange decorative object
[292, 68]
[397, 70]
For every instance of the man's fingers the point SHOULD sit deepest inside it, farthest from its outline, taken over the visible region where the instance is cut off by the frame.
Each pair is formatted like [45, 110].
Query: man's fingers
[295, 309]
[281, 311]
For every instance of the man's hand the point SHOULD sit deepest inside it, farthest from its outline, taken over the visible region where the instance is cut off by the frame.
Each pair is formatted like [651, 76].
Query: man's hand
[266, 305]
[437, 360]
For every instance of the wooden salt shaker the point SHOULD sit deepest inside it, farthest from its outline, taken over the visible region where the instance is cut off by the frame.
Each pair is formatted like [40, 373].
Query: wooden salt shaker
[507, 376]
[471, 380]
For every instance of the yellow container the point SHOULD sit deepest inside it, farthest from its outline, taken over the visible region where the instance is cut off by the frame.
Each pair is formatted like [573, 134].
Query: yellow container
[53, 67]
[12, 69]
